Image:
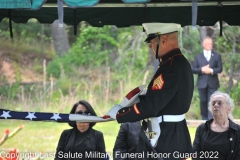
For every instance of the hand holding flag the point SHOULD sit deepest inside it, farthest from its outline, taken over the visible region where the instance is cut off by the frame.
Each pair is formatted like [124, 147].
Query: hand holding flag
[130, 99]
[113, 111]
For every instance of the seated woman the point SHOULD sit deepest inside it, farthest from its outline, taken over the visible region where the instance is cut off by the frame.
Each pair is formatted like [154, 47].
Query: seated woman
[126, 141]
[82, 141]
[218, 138]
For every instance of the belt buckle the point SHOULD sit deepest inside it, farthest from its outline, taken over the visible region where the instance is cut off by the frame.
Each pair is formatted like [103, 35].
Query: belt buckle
[160, 119]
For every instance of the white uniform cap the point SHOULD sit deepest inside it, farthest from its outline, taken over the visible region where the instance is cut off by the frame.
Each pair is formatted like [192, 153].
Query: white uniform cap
[155, 29]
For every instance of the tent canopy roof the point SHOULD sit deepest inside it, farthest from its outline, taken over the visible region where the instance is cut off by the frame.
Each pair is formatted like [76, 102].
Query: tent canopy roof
[122, 14]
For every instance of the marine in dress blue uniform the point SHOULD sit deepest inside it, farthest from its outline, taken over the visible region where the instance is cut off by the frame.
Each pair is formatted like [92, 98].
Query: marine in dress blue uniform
[168, 95]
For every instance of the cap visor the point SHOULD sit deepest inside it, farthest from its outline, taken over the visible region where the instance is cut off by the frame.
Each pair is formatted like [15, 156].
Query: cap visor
[149, 38]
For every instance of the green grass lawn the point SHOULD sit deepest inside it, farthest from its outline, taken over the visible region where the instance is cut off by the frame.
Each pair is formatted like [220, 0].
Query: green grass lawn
[44, 136]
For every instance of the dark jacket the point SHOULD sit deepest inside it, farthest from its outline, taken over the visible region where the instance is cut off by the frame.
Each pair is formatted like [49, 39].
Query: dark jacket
[203, 132]
[127, 140]
[169, 93]
[215, 63]
[66, 142]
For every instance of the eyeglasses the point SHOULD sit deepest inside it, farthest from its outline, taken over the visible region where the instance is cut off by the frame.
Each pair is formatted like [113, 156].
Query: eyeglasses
[83, 113]
[219, 103]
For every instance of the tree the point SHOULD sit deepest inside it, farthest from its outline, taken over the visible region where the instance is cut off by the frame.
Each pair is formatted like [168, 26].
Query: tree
[60, 38]
[229, 46]
[209, 31]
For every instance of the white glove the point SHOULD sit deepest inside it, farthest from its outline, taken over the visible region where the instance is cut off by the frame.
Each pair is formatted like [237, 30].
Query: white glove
[113, 111]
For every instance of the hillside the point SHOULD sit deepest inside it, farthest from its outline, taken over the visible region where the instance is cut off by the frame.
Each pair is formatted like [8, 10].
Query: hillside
[16, 64]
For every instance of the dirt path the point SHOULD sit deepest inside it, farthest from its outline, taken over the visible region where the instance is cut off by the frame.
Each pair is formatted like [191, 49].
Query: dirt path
[11, 71]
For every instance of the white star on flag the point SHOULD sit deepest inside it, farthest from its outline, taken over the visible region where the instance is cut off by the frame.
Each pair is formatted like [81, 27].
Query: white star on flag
[5, 114]
[31, 115]
[56, 116]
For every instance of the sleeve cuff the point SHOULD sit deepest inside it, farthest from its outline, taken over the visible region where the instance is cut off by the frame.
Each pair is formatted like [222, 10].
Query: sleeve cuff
[211, 71]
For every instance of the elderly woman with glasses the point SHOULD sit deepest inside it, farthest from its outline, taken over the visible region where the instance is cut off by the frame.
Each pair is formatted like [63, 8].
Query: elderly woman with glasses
[82, 141]
[218, 138]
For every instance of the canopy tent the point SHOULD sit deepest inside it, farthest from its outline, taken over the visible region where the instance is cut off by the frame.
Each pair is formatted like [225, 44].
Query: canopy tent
[122, 13]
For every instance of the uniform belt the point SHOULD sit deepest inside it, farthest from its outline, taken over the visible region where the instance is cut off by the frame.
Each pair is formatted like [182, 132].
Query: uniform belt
[171, 118]
[153, 131]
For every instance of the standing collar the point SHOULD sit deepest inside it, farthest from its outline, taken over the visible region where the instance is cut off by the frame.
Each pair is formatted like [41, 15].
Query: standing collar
[169, 54]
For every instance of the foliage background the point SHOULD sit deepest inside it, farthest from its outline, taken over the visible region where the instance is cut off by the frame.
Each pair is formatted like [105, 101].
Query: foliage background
[101, 66]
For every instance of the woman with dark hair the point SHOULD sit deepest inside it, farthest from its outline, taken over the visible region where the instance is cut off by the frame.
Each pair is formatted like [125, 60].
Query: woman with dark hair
[82, 141]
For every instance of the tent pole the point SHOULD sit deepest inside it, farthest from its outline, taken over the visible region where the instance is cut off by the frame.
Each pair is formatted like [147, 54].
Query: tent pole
[10, 23]
[75, 21]
[220, 17]
[194, 13]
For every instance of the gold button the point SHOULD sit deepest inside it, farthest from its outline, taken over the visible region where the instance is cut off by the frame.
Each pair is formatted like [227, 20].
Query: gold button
[123, 110]
[160, 59]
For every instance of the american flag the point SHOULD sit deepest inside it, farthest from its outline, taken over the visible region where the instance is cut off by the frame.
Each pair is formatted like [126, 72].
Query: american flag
[45, 116]
[130, 99]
